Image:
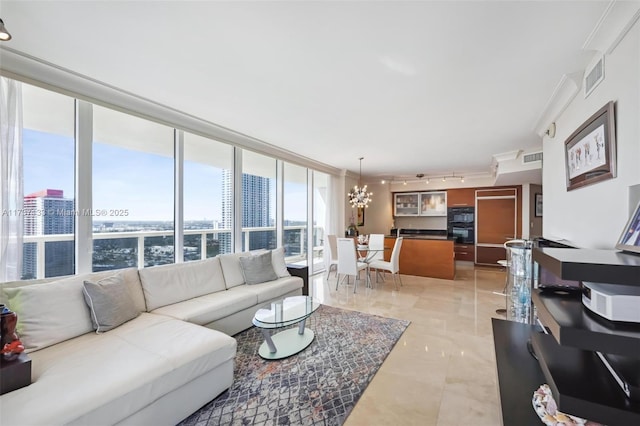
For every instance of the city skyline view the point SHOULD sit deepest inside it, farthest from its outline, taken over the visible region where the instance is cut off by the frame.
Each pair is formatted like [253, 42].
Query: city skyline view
[121, 175]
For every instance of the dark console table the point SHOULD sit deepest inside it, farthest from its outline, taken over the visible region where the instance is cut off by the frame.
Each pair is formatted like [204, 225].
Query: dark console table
[301, 271]
[567, 359]
[15, 374]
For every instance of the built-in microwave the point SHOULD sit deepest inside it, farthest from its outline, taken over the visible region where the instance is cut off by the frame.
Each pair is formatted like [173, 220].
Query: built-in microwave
[461, 215]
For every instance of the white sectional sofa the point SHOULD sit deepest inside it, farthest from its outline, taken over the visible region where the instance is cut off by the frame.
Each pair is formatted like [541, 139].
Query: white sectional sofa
[171, 358]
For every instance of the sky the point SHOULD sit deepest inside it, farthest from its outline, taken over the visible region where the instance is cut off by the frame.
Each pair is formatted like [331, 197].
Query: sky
[135, 182]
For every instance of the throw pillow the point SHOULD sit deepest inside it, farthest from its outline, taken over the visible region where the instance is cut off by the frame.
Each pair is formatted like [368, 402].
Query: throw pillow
[109, 302]
[49, 313]
[279, 265]
[258, 269]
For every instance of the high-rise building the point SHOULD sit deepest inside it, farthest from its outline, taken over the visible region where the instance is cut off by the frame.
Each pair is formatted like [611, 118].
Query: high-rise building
[47, 212]
[256, 210]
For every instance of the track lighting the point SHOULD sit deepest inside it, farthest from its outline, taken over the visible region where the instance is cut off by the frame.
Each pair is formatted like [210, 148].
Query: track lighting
[4, 34]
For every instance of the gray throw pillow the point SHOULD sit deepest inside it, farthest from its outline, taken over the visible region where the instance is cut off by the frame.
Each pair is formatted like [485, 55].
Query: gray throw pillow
[109, 302]
[258, 269]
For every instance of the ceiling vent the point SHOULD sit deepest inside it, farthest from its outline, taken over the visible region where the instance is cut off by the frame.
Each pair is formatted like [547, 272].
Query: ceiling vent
[594, 76]
[530, 158]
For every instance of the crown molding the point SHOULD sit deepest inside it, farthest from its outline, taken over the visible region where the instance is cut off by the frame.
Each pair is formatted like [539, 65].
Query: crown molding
[614, 24]
[566, 89]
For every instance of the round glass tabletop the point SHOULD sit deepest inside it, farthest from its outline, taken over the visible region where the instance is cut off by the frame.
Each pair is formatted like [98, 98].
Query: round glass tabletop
[286, 312]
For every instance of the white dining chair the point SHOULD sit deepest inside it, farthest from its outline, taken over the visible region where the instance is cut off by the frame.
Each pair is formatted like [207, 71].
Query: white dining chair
[376, 242]
[332, 258]
[393, 265]
[348, 264]
[376, 245]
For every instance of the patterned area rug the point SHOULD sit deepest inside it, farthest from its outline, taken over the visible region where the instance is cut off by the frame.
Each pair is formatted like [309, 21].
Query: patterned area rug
[318, 386]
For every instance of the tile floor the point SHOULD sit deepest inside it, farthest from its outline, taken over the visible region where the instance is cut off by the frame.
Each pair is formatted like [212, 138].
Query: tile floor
[442, 370]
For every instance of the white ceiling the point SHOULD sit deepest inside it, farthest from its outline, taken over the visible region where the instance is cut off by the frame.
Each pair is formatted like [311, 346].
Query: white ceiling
[414, 87]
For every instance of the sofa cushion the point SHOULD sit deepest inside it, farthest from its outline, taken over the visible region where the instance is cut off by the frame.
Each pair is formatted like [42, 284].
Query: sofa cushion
[272, 289]
[109, 303]
[105, 378]
[130, 276]
[167, 284]
[279, 264]
[230, 263]
[49, 313]
[258, 268]
[210, 307]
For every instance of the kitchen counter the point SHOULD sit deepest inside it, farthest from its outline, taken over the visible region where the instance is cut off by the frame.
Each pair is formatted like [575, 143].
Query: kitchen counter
[425, 256]
[423, 237]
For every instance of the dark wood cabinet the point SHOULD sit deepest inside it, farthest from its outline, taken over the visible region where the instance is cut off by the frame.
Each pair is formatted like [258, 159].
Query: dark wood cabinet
[498, 220]
[462, 197]
[464, 252]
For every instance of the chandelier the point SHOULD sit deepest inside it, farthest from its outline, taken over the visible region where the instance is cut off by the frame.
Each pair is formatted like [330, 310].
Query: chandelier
[358, 196]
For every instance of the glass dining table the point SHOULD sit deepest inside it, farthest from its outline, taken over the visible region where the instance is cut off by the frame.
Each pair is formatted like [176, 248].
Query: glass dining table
[367, 255]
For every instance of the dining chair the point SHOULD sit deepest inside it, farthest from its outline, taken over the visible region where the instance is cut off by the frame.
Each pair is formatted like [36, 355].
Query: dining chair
[332, 258]
[348, 263]
[376, 242]
[393, 265]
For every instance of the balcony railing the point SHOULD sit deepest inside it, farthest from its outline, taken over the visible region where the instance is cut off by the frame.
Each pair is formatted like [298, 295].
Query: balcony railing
[135, 250]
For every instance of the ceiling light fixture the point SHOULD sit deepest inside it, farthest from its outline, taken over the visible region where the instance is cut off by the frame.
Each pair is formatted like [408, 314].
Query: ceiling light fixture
[383, 181]
[358, 196]
[4, 34]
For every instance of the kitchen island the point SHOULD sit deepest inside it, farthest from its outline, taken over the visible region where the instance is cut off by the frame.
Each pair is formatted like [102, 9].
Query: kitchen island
[424, 256]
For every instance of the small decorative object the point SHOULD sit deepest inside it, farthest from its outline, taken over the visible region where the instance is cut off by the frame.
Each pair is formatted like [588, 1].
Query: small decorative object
[546, 408]
[358, 196]
[363, 241]
[352, 230]
[10, 345]
[590, 152]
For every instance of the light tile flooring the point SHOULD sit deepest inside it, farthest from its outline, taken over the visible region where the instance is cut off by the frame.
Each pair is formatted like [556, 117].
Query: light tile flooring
[442, 370]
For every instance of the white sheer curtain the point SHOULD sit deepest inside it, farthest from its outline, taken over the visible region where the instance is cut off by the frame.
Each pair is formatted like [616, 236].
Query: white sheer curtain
[11, 193]
[334, 217]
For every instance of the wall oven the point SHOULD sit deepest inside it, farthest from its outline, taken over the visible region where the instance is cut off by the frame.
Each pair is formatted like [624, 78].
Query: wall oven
[460, 224]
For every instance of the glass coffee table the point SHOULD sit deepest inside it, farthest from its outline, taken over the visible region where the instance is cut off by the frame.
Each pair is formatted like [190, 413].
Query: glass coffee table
[291, 310]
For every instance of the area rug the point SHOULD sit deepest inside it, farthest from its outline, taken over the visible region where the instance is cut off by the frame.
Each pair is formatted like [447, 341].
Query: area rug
[318, 386]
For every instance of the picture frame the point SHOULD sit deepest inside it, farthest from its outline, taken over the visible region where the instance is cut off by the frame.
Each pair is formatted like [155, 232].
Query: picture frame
[360, 219]
[538, 205]
[590, 151]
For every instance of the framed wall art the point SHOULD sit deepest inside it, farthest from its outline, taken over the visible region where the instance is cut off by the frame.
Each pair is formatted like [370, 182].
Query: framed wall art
[360, 221]
[590, 152]
[538, 201]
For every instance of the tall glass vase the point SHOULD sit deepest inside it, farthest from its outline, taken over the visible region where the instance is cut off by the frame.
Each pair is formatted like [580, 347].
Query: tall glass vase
[519, 281]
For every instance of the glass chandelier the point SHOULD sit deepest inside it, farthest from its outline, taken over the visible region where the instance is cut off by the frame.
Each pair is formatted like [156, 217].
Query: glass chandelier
[358, 196]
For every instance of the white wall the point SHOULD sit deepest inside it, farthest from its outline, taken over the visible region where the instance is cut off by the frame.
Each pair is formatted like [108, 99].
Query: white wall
[593, 216]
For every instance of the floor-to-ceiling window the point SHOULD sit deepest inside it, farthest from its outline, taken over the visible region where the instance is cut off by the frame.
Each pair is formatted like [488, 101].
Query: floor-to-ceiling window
[320, 199]
[295, 213]
[258, 201]
[48, 161]
[207, 166]
[133, 191]
[131, 196]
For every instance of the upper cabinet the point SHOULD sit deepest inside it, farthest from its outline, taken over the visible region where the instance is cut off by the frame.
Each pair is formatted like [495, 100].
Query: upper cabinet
[462, 197]
[433, 203]
[420, 204]
[407, 204]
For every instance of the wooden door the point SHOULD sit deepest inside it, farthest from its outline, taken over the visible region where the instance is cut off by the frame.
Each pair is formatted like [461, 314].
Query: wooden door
[496, 223]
